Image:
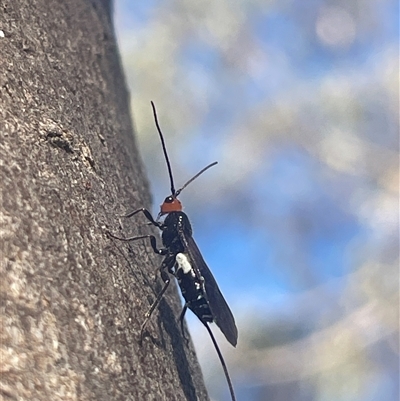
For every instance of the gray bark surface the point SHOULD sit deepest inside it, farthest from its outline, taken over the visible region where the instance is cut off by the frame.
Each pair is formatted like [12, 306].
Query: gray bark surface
[73, 300]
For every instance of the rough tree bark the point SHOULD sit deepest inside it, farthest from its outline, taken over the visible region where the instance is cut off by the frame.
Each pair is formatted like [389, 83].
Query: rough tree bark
[72, 300]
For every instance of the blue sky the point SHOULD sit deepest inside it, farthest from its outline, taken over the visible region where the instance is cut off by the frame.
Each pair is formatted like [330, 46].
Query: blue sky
[298, 103]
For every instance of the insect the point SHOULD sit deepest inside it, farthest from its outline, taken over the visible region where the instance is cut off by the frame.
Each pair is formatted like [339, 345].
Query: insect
[183, 260]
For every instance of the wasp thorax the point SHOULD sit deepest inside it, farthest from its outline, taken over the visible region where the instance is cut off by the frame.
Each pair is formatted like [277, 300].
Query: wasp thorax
[171, 204]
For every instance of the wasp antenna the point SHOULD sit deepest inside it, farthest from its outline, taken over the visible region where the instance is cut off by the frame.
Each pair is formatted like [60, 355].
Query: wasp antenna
[171, 178]
[193, 178]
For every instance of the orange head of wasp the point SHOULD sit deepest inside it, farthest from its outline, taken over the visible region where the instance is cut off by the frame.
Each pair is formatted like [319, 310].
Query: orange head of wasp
[170, 204]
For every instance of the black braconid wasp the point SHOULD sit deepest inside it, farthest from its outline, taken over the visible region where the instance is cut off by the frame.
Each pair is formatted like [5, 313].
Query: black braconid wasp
[182, 259]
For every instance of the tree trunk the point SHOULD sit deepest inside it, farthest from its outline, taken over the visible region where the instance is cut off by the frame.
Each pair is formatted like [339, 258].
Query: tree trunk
[73, 300]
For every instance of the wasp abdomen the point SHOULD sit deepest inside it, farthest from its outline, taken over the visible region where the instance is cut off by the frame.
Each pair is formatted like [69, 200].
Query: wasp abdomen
[192, 288]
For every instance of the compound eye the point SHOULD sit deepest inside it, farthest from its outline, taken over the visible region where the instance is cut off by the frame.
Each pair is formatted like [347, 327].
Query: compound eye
[169, 199]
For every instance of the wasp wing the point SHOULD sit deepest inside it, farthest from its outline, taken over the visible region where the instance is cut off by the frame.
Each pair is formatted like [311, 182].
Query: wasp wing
[222, 315]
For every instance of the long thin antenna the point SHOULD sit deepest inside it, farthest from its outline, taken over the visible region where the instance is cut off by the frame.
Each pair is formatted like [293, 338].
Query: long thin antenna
[193, 178]
[171, 178]
[221, 358]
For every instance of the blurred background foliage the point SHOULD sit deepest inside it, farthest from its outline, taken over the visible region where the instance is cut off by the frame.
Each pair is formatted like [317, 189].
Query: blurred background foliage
[298, 101]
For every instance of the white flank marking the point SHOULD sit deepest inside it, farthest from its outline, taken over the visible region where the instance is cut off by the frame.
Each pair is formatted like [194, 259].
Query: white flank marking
[183, 263]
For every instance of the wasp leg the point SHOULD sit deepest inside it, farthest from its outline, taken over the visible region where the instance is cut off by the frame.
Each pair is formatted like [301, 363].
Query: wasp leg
[153, 241]
[181, 320]
[166, 278]
[147, 215]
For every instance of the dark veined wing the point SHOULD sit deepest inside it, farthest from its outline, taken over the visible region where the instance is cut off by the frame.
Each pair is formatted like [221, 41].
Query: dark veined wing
[222, 315]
